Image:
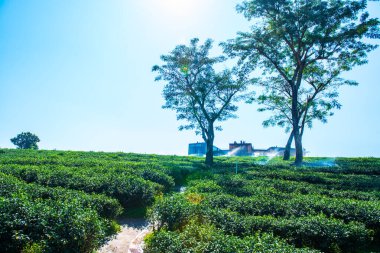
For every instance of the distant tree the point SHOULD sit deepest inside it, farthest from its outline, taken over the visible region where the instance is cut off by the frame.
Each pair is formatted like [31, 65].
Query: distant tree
[201, 96]
[308, 44]
[26, 141]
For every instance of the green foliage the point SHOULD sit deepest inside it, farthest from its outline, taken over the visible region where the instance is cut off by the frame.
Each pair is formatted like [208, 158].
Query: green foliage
[172, 212]
[308, 231]
[62, 226]
[132, 179]
[129, 189]
[54, 201]
[33, 248]
[204, 186]
[328, 180]
[332, 209]
[104, 206]
[200, 96]
[158, 177]
[202, 238]
[303, 48]
[26, 140]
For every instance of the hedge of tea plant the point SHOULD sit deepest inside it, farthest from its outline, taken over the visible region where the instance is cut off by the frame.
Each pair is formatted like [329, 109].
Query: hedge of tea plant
[64, 201]
[308, 208]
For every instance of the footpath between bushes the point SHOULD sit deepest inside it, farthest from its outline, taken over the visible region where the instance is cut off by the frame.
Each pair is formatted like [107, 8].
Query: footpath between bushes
[131, 237]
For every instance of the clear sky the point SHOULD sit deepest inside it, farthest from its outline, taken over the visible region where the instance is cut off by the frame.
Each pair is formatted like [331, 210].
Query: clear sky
[78, 74]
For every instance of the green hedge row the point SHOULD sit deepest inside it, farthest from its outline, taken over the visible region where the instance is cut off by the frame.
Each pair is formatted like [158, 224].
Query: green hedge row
[97, 159]
[205, 238]
[326, 180]
[276, 187]
[105, 206]
[320, 232]
[317, 231]
[50, 225]
[128, 189]
[366, 212]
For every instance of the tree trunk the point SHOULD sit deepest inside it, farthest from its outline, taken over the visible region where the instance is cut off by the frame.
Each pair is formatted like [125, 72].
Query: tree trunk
[299, 150]
[295, 121]
[210, 145]
[288, 147]
[210, 153]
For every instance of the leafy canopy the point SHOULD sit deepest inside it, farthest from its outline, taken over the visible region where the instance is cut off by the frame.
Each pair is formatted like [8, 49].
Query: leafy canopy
[303, 47]
[198, 93]
[26, 140]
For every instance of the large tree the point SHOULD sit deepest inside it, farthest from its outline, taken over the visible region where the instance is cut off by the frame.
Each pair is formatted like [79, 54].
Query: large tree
[201, 96]
[26, 140]
[308, 44]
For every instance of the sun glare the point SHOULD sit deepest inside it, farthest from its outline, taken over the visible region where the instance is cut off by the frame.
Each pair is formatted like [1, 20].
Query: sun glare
[174, 8]
[177, 7]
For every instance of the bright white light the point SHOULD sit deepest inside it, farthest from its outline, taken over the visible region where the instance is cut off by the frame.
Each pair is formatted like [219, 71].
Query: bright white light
[173, 9]
[176, 8]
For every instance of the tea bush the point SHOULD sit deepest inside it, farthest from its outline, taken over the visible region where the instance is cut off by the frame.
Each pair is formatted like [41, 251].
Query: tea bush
[206, 238]
[60, 226]
[332, 209]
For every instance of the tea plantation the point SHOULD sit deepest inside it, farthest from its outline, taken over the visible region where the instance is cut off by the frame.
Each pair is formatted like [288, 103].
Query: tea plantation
[53, 201]
[272, 208]
[65, 201]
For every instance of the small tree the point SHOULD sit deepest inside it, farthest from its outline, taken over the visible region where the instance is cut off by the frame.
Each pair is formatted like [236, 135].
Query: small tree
[292, 38]
[26, 141]
[201, 96]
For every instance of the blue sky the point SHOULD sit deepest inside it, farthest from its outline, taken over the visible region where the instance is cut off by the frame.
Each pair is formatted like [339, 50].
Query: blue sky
[78, 74]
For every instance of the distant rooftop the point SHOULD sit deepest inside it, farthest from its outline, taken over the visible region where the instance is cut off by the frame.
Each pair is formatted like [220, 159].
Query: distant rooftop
[241, 148]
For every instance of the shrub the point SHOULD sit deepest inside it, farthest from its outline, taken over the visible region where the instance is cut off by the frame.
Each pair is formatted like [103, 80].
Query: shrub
[205, 238]
[172, 212]
[310, 231]
[59, 226]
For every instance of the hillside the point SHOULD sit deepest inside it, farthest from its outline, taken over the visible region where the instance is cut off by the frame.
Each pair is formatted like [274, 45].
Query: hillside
[65, 201]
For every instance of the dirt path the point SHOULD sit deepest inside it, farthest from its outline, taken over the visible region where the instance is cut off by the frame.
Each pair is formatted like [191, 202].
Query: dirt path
[130, 239]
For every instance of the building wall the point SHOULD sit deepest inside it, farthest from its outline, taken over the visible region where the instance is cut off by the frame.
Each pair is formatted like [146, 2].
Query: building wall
[241, 148]
[237, 149]
[198, 149]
